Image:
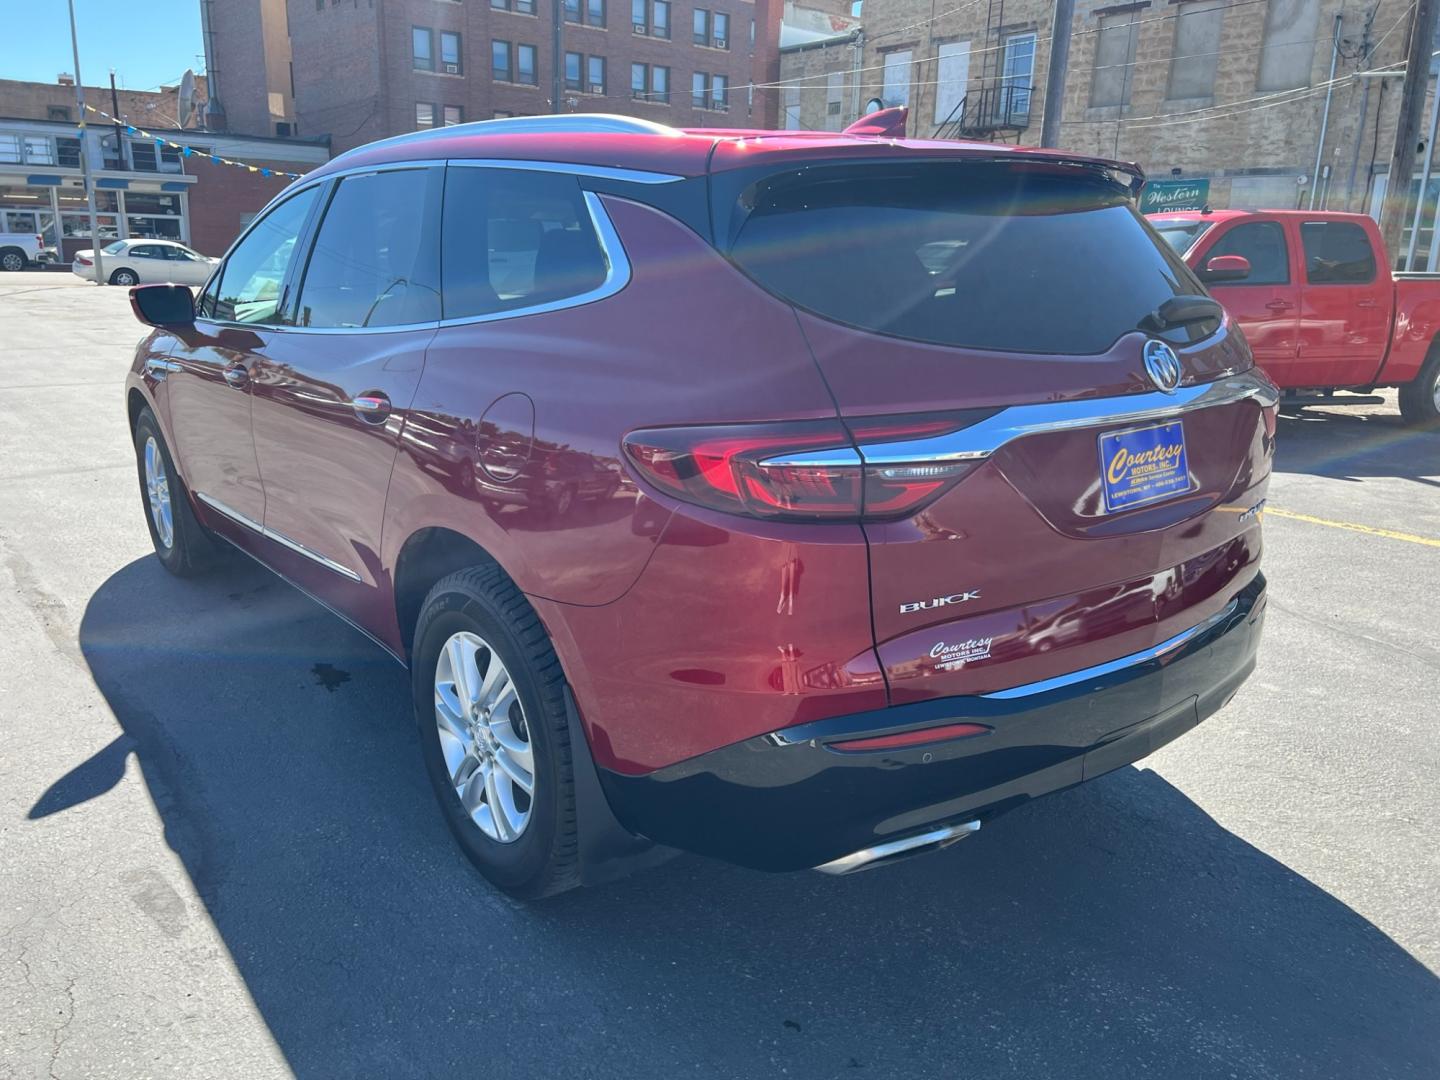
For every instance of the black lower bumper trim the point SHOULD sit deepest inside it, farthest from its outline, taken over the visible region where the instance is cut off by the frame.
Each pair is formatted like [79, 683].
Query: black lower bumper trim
[786, 802]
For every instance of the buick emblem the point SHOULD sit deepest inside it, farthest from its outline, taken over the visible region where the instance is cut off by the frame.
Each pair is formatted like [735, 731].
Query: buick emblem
[1162, 365]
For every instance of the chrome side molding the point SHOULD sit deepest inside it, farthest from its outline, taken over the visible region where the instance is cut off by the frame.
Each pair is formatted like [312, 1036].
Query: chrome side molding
[280, 538]
[980, 440]
[868, 858]
[1152, 653]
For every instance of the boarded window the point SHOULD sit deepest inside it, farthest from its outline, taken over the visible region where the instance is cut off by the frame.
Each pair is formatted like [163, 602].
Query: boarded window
[1114, 60]
[896, 88]
[1289, 44]
[954, 74]
[1197, 48]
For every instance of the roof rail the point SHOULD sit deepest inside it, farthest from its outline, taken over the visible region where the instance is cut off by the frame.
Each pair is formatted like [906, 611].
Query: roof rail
[559, 124]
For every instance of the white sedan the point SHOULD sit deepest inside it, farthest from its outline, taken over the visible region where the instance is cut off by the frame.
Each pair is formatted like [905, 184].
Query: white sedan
[131, 262]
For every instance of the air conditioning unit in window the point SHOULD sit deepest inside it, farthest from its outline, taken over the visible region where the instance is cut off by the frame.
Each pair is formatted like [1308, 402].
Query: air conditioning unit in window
[722, 43]
[639, 28]
[452, 69]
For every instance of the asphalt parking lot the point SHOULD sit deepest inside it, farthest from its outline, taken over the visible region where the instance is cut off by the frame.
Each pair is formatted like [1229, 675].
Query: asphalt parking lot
[219, 855]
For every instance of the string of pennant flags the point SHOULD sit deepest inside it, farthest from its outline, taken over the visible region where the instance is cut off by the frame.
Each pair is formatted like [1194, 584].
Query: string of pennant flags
[190, 151]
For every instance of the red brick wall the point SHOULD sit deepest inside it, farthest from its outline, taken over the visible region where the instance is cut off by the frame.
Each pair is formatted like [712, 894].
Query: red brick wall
[222, 193]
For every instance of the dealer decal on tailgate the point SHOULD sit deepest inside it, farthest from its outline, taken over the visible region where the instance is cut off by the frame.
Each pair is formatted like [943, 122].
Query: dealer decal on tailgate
[1143, 465]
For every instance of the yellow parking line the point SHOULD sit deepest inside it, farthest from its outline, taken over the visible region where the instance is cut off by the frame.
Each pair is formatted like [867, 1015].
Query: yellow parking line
[1389, 534]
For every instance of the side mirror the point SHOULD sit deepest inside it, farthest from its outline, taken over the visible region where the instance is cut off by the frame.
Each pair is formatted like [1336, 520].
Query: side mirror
[1227, 268]
[164, 306]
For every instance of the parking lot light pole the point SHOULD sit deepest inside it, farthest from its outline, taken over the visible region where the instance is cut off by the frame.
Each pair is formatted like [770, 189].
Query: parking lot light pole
[84, 157]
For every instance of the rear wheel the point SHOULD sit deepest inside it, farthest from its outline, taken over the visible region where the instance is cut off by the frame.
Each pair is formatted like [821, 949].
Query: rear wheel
[124, 276]
[1420, 400]
[489, 700]
[12, 260]
[181, 542]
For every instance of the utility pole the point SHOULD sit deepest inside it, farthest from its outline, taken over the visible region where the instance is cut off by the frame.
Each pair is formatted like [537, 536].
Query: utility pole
[557, 56]
[120, 154]
[1055, 76]
[85, 170]
[1407, 130]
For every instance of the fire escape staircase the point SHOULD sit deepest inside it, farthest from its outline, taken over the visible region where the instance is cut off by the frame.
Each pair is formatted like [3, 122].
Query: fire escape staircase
[995, 106]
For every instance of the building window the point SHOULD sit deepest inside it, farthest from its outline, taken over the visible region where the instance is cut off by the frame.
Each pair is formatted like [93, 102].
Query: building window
[1018, 77]
[454, 115]
[573, 62]
[701, 32]
[500, 61]
[1289, 46]
[143, 157]
[503, 114]
[57, 112]
[10, 149]
[639, 16]
[1197, 49]
[595, 75]
[1114, 60]
[572, 11]
[450, 53]
[153, 216]
[424, 115]
[649, 83]
[422, 48]
[525, 64]
[834, 98]
[790, 98]
[39, 150]
[895, 80]
[595, 12]
[660, 19]
[67, 154]
[720, 30]
[952, 78]
[709, 91]
[512, 63]
[520, 7]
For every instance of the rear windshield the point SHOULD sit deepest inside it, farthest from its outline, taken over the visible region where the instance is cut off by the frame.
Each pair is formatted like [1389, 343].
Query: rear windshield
[1180, 234]
[983, 256]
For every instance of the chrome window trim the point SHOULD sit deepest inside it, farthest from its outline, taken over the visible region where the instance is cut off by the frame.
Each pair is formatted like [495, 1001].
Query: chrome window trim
[597, 172]
[617, 273]
[1109, 668]
[279, 538]
[979, 441]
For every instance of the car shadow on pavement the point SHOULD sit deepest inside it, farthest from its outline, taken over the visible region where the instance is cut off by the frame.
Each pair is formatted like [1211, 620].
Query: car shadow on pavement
[1111, 930]
[1345, 445]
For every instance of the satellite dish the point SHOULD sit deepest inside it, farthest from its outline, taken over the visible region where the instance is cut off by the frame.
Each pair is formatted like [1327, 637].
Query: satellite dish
[185, 106]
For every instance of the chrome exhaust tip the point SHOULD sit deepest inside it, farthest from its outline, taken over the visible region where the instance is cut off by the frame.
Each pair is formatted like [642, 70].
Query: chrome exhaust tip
[894, 850]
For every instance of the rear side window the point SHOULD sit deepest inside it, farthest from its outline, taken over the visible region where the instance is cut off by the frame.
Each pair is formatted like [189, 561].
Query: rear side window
[516, 239]
[984, 256]
[1337, 253]
[376, 259]
[1263, 244]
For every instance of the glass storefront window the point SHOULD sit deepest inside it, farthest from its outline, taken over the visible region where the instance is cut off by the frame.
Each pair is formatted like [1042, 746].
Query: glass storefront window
[144, 202]
[153, 228]
[77, 226]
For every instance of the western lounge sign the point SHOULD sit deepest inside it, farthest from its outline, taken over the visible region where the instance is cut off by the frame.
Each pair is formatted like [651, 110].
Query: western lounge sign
[1159, 195]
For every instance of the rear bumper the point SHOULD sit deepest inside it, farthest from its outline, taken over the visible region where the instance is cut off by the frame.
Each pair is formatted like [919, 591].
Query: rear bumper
[789, 800]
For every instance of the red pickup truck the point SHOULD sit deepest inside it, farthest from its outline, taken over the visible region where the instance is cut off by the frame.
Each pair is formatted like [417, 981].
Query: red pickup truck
[1318, 303]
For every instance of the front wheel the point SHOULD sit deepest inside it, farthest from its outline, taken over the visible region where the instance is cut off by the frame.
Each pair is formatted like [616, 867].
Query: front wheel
[123, 277]
[1420, 400]
[489, 700]
[12, 260]
[181, 543]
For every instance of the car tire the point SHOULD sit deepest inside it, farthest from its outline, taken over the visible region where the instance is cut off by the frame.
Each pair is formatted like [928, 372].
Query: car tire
[476, 739]
[12, 260]
[1420, 399]
[124, 276]
[182, 544]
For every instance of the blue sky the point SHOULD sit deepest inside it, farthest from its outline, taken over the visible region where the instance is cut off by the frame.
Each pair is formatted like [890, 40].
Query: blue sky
[147, 42]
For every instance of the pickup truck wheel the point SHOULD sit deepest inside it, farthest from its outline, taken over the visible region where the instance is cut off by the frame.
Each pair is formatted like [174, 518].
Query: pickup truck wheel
[1420, 400]
[489, 700]
[12, 260]
[181, 542]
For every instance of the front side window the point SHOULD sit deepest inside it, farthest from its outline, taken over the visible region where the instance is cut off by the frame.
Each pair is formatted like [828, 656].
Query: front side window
[376, 259]
[1263, 244]
[1181, 233]
[979, 256]
[539, 242]
[1337, 253]
[249, 287]
[422, 48]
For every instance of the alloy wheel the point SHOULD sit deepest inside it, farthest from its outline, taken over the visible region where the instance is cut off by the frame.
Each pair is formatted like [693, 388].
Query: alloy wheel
[13, 263]
[484, 737]
[157, 492]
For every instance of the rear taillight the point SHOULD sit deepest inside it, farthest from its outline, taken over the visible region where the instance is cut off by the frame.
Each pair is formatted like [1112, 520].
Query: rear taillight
[82, 260]
[799, 471]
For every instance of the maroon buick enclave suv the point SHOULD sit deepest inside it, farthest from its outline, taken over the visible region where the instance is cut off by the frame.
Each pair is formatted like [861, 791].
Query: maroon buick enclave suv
[799, 499]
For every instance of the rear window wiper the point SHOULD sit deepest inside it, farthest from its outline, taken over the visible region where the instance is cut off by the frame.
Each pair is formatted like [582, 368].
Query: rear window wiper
[1181, 311]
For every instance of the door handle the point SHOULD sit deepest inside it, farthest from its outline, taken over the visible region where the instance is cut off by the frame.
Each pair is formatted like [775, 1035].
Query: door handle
[160, 368]
[236, 375]
[1279, 305]
[373, 407]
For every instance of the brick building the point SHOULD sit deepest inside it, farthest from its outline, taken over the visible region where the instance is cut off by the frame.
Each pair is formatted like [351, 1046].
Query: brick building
[141, 189]
[1229, 92]
[820, 45]
[366, 69]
